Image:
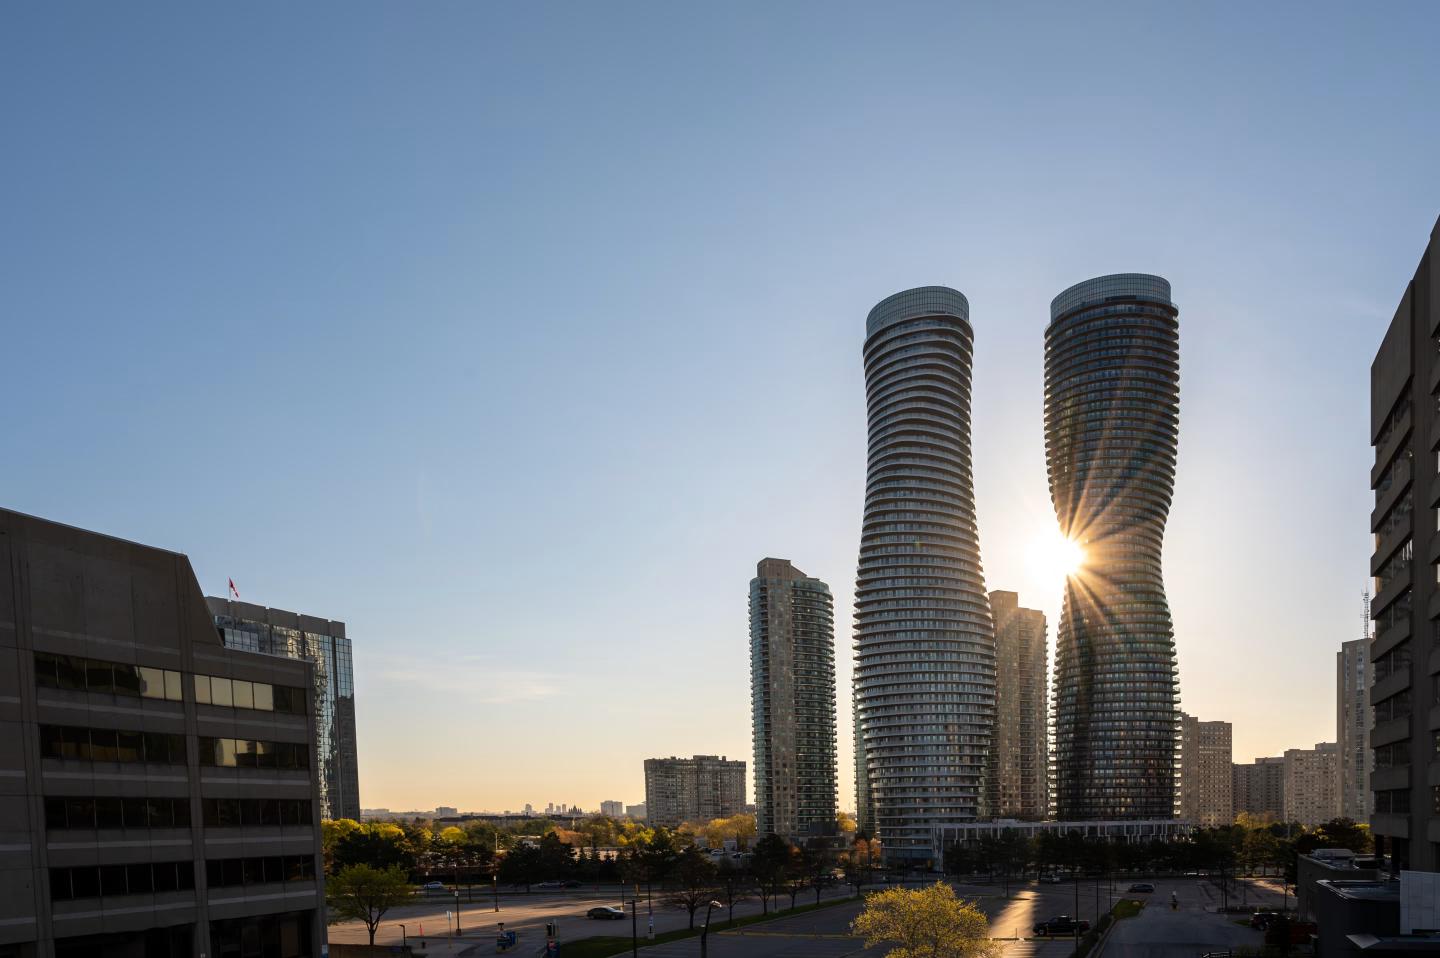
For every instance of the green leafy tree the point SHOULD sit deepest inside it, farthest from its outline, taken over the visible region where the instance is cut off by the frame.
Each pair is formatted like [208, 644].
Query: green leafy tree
[557, 860]
[377, 844]
[817, 863]
[770, 864]
[925, 923]
[521, 865]
[693, 881]
[360, 892]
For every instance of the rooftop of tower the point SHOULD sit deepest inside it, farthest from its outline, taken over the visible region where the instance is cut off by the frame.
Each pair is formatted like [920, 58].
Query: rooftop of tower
[920, 301]
[1092, 292]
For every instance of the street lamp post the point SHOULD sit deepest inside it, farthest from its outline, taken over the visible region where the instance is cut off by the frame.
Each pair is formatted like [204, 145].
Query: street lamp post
[495, 887]
[402, 934]
[458, 932]
[634, 927]
[705, 928]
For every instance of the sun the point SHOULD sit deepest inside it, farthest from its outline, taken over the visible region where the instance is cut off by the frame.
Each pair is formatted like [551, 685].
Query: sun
[1052, 556]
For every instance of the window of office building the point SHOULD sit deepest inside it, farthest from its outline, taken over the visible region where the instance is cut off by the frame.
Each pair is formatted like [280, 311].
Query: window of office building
[111, 745]
[249, 753]
[76, 812]
[115, 881]
[73, 672]
[243, 812]
[268, 936]
[240, 694]
[173, 942]
[226, 872]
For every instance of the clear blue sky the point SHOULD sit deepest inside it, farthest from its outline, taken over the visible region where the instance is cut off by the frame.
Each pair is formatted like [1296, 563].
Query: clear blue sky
[514, 335]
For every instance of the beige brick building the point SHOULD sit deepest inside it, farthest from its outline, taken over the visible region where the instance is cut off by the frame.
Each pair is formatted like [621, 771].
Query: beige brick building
[1206, 781]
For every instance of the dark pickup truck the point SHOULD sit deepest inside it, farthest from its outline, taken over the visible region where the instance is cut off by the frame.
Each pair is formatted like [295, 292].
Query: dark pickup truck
[1061, 925]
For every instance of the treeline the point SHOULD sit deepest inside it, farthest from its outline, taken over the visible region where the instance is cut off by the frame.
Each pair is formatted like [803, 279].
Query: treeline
[1247, 847]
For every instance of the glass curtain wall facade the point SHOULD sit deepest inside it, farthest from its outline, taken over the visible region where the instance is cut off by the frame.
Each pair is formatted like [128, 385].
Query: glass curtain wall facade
[792, 692]
[255, 628]
[924, 639]
[1112, 414]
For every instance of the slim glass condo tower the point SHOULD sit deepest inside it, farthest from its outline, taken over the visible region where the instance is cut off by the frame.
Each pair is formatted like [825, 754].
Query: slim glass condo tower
[1112, 405]
[924, 639]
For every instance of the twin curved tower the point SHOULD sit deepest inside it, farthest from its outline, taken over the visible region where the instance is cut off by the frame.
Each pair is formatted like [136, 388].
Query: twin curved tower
[924, 637]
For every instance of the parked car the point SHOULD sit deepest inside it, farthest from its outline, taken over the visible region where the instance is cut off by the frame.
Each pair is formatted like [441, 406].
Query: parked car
[551, 884]
[1061, 925]
[605, 911]
[435, 887]
[1142, 887]
[1050, 878]
[572, 883]
[1262, 919]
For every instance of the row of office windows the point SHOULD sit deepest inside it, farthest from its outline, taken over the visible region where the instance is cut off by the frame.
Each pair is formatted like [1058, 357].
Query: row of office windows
[249, 753]
[111, 745]
[229, 872]
[236, 812]
[147, 878]
[77, 673]
[74, 672]
[240, 694]
[105, 812]
[110, 881]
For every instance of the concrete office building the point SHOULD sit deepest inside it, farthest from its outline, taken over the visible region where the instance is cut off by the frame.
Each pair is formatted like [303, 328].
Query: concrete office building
[679, 790]
[1206, 779]
[612, 809]
[637, 812]
[156, 788]
[1020, 758]
[1258, 788]
[1404, 426]
[321, 642]
[1312, 777]
[792, 700]
[924, 639]
[1352, 727]
[1112, 406]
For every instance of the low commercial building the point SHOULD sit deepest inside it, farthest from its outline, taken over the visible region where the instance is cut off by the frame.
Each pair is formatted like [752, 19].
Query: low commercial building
[695, 789]
[158, 793]
[1383, 917]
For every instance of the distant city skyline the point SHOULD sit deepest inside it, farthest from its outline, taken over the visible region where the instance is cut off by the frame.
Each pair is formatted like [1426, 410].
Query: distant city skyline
[524, 366]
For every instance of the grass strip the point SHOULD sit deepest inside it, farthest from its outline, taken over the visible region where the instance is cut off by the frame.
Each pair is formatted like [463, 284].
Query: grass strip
[1127, 908]
[611, 945]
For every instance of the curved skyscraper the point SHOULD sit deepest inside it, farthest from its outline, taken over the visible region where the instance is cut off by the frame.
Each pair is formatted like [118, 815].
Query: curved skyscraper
[1112, 405]
[924, 640]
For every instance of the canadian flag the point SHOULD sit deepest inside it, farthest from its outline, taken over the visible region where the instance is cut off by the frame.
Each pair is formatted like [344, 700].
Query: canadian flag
[234, 592]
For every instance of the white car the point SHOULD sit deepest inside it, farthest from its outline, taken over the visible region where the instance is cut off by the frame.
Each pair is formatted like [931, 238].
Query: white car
[432, 887]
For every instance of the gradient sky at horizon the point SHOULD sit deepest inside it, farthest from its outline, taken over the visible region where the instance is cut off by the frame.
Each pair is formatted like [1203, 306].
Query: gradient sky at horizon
[515, 335]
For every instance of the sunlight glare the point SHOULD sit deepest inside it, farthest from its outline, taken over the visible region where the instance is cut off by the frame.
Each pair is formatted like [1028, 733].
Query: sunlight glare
[1054, 557]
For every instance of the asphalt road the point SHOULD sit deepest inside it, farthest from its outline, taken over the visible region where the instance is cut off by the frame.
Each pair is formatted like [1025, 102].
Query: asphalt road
[1190, 930]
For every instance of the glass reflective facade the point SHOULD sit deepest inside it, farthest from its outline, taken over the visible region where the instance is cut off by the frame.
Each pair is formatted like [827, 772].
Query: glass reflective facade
[1112, 407]
[323, 643]
[924, 639]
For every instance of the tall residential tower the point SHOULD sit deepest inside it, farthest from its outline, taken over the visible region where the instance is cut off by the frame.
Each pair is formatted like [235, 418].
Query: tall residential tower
[924, 640]
[1352, 726]
[1020, 760]
[792, 700]
[1112, 414]
[1405, 696]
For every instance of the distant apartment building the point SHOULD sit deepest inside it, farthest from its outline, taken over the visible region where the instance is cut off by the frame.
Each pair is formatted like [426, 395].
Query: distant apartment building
[321, 642]
[1020, 763]
[1258, 788]
[1206, 777]
[1312, 784]
[1405, 696]
[612, 809]
[1352, 720]
[157, 789]
[446, 811]
[637, 812]
[792, 700]
[679, 790]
